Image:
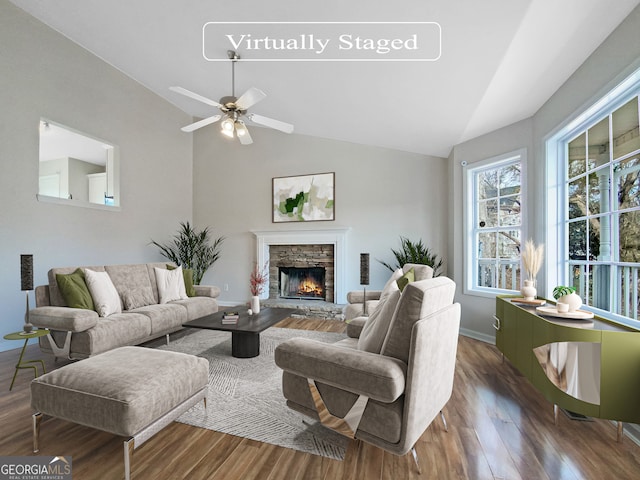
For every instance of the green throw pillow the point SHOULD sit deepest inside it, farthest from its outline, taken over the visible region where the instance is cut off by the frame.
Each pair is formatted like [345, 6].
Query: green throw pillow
[407, 278]
[74, 290]
[187, 274]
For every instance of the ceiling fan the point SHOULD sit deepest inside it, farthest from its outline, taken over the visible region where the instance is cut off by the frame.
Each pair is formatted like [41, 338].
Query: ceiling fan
[234, 110]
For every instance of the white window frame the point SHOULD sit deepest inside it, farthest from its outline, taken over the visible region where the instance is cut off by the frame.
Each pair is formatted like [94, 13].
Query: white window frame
[471, 214]
[556, 196]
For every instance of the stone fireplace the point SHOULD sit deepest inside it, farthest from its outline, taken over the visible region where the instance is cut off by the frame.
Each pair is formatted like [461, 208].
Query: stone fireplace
[305, 249]
[302, 271]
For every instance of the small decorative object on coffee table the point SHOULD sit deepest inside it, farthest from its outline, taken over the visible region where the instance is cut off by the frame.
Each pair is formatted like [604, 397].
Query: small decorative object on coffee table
[26, 363]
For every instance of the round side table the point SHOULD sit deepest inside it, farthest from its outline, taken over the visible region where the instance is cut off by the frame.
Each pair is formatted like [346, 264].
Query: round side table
[26, 363]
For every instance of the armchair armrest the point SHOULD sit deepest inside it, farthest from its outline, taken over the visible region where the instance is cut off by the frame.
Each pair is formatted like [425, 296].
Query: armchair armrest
[207, 291]
[372, 375]
[355, 326]
[358, 296]
[63, 318]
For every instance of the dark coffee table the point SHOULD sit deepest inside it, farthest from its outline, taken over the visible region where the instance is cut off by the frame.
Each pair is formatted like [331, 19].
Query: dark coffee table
[245, 335]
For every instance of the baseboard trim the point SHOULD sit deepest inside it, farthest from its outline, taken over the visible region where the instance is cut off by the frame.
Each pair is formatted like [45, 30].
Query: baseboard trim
[483, 337]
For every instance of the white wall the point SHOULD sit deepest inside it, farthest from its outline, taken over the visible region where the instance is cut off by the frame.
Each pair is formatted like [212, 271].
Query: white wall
[380, 194]
[46, 75]
[612, 61]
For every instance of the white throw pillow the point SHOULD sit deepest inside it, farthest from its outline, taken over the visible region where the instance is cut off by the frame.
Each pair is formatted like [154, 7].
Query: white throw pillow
[377, 325]
[103, 292]
[170, 284]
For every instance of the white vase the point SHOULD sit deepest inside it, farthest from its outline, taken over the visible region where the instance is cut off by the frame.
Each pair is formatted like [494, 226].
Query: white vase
[573, 300]
[529, 291]
[255, 304]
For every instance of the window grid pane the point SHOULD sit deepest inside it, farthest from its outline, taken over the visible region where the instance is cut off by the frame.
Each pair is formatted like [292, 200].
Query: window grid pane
[602, 250]
[497, 226]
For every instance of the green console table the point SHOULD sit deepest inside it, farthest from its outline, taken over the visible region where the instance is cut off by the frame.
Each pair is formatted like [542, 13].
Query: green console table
[590, 367]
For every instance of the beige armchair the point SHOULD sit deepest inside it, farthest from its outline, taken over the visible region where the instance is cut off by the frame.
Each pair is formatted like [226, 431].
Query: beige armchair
[356, 299]
[386, 386]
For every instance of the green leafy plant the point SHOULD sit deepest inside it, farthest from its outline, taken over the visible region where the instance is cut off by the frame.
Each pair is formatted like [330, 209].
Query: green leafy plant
[192, 250]
[561, 291]
[414, 252]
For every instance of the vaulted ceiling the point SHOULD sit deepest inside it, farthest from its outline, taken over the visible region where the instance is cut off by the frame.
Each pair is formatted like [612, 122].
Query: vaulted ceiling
[500, 61]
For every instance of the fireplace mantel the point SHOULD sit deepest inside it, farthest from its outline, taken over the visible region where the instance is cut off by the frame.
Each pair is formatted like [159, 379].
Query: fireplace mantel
[336, 237]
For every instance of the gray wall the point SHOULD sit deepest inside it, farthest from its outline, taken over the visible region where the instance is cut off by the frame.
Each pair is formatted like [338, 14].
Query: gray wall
[380, 194]
[44, 74]
[616, 58]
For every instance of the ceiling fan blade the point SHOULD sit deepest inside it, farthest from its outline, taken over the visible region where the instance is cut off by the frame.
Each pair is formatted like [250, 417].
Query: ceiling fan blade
[270, 122]
[250, 98]
[245, 139]
[201, 123]
[195, 96]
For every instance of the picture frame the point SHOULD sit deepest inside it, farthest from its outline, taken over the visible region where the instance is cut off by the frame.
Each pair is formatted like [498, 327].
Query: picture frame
[303, 198]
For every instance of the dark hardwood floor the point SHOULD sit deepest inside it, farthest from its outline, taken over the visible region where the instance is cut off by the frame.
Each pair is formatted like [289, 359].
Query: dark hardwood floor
[500, 427]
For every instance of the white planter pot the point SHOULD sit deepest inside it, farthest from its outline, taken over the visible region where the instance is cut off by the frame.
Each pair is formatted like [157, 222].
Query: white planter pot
[573, 300]
[529, 291]
[255, 304]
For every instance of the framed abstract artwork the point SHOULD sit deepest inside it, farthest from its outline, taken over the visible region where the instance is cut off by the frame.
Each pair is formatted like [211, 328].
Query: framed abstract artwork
[304, 198]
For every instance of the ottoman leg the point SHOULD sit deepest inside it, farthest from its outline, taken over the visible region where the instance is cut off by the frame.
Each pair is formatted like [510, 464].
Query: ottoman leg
[37, 418]
[129, 447]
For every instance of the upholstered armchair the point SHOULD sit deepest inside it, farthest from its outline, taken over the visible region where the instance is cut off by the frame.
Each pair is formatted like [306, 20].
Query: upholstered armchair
[360, 304]
[387, 386]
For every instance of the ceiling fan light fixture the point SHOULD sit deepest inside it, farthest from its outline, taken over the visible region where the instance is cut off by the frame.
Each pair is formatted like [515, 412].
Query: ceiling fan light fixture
[241, 128]
[227, 126]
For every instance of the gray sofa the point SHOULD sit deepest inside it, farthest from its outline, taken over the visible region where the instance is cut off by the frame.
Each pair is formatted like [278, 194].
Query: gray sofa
[80, 333]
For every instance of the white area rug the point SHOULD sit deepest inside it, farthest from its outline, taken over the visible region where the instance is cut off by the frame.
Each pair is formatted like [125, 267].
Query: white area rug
[245, 394]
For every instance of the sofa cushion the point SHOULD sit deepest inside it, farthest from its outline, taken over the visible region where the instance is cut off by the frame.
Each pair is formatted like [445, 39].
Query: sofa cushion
[376, 327]
[55, 296]
[170, 285]
[419, 300]
[198, 307]
[164, 317]
[111, 332]
[74, 290]
[406, 279]
[104, 293]
[187, 275]
[133, 285]
[136, 298]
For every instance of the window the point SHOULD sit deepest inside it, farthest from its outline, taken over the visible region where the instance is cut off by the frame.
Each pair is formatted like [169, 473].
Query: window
[494, 224]
[594, 179]
[602, 216]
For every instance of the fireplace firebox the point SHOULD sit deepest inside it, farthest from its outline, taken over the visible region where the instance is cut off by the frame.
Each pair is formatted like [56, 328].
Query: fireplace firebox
[306, 283]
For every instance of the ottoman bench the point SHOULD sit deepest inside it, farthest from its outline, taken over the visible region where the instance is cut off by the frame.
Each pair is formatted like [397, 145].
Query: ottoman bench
[132, 392]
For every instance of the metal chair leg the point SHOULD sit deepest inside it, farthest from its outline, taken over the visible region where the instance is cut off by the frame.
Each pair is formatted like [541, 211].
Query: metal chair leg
[415, 459]
[444, 421]
[37, 418]
[129, 447]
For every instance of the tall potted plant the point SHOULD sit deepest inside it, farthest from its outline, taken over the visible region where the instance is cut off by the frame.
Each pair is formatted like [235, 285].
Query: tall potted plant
[414, 252]
[192, 249]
